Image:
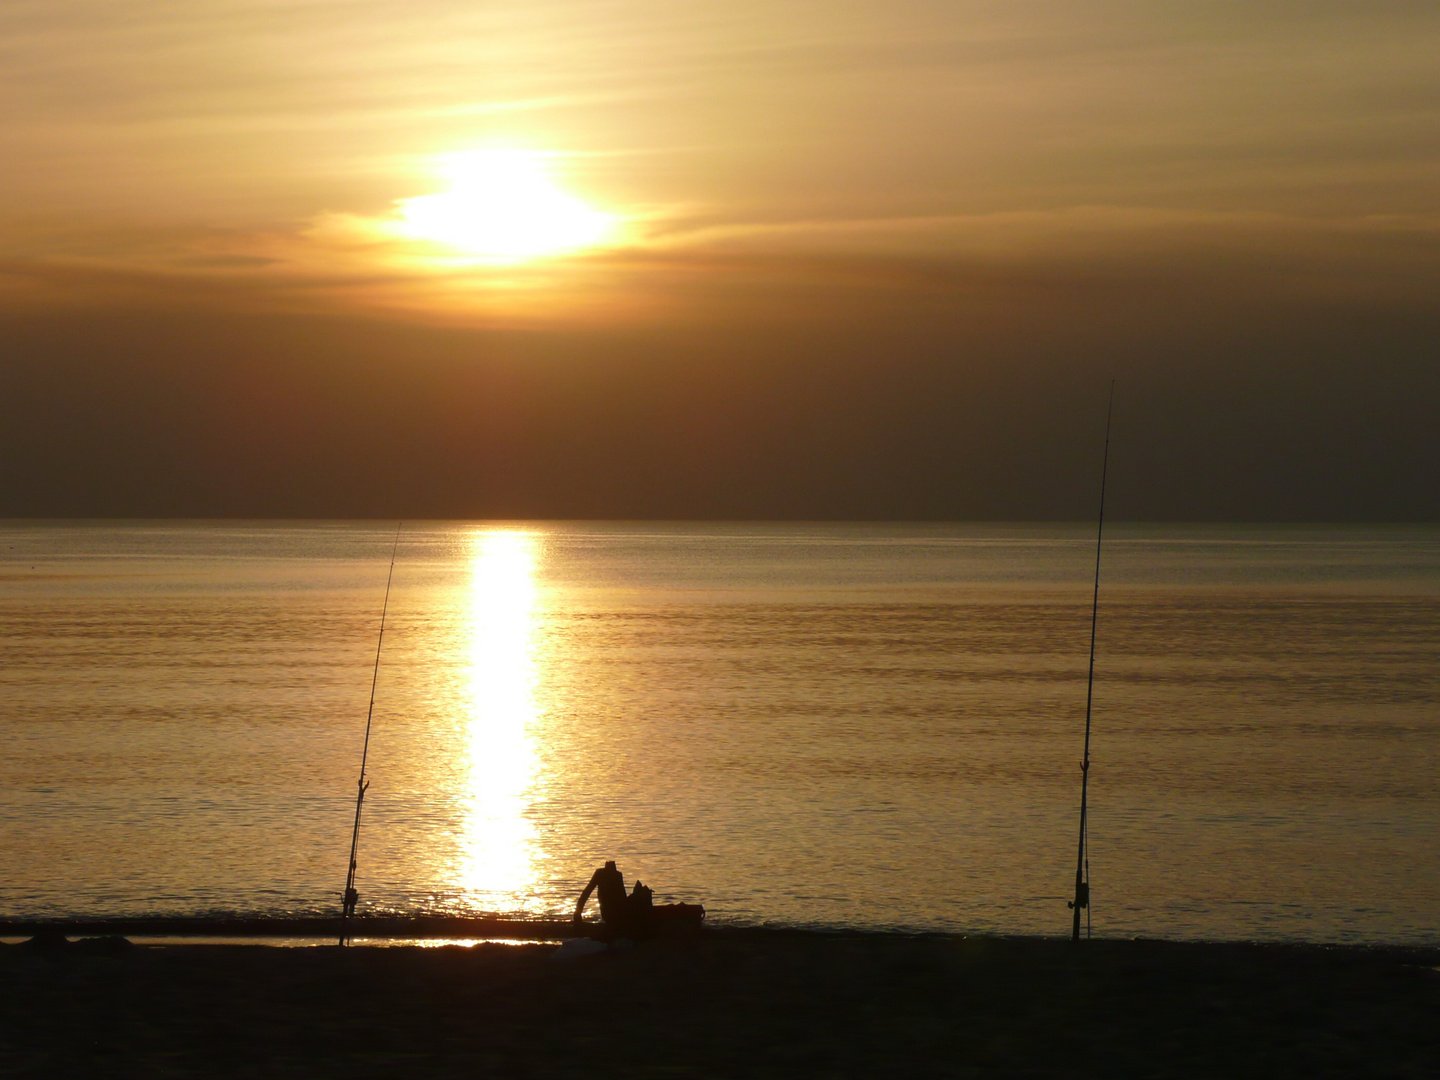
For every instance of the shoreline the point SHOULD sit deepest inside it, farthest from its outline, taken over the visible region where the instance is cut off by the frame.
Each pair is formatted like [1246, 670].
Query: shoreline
[438, 927]
[441, 928]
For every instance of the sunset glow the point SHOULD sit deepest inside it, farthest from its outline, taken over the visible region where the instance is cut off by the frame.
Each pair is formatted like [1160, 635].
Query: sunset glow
[503, 206]
[520, 260]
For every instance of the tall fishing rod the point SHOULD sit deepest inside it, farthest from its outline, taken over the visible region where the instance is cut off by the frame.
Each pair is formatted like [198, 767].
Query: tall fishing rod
[350, 897]
[1082, 861]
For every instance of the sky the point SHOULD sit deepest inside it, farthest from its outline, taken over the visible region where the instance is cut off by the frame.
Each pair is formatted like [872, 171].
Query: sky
[557, 259]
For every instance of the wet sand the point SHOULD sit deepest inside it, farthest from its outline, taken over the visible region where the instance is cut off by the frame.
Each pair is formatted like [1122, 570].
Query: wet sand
[725, 1004]
[408, 927]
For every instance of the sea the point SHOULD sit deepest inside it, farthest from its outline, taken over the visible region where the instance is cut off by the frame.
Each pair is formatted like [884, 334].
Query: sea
[820, 725]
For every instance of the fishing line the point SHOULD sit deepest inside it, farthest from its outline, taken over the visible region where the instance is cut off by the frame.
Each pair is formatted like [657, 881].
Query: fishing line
[1082, 860]
[350, 897]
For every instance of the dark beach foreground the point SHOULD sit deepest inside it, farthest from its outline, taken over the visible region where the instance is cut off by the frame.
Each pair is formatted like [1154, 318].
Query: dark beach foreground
[724, 1003]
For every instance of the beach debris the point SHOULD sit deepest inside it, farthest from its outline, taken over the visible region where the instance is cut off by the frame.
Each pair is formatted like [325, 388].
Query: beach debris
[579, 947]
[106, 945]
[51, 942]
[47, 941]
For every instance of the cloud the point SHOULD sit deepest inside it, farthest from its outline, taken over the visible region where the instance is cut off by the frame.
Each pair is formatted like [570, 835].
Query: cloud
[682, 266]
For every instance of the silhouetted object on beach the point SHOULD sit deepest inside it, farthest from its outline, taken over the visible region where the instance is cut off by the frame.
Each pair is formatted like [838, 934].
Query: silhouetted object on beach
[1082, 860]
[106, 945]
[635, 915]
[350, 897]
[47, 941]
[52, 942]
[613, 901]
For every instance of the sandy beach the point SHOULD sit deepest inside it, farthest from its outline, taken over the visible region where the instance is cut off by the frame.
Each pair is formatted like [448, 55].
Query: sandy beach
[726, 1003]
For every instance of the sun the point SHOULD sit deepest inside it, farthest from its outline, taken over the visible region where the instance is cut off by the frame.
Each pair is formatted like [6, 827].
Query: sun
[503, 206]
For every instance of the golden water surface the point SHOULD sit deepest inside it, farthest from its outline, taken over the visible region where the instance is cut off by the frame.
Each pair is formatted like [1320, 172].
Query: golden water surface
[834, 725]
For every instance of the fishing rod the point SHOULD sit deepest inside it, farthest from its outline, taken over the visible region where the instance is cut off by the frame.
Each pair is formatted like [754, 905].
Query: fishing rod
[350, 897]
[1082, 860]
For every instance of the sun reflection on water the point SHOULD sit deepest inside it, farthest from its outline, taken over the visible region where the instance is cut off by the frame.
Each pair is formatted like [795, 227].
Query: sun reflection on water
[497, 846]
